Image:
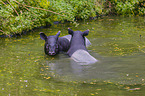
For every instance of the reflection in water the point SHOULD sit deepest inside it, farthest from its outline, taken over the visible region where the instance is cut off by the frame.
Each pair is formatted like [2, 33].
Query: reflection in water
[76, 71]
[115, 69]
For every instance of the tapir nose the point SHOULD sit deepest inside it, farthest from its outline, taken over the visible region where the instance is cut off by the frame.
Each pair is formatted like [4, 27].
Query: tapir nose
[52, 53]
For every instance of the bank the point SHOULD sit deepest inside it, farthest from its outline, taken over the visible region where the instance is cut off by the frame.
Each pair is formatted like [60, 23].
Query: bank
[19, 17]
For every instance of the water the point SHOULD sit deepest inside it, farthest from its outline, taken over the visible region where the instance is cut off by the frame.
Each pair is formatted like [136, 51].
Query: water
[118, 43]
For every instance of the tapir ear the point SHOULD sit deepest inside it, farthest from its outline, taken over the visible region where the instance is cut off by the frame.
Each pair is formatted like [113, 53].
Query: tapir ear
[85, 33]
[57, 34]
[43, 36]
[70, 31]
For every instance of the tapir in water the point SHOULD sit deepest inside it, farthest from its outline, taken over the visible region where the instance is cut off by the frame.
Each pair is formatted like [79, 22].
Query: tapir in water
[78, 51]
[55, 44]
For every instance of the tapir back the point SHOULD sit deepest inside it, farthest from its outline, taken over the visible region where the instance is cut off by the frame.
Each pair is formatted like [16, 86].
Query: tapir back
[78, 51]
[83, 57]
[64, 44]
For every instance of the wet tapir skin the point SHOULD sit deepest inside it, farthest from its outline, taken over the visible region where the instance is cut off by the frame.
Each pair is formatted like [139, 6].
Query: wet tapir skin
[54, 44]
[87, 42]
[77, 41]
[78, 51]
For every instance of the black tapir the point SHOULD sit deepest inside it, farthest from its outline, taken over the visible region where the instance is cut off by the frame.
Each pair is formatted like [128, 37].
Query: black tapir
[78, 51]
[54, 44]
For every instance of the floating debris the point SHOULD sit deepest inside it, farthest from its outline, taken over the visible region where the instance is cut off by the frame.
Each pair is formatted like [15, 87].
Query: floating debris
[134, 89]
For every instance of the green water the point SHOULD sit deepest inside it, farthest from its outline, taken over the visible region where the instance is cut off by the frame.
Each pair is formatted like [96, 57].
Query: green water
[118, 43]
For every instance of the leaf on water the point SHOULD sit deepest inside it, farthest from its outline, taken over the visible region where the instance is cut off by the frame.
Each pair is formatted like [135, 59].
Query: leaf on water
[58, 90]
[48, 77]
[98, 89]
[96, 93]
[92, 94]
[35, 89]
[92, 83]
[126, 87]
[111, 19]
[137, 88]
[134, 89]
[52, 58]
[84, 82]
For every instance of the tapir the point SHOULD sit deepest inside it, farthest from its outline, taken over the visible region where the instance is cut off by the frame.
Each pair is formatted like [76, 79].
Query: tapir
[55, 44]
[78, 51]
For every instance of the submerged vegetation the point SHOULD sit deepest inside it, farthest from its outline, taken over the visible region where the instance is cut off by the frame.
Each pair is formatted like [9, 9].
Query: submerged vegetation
[18, 16]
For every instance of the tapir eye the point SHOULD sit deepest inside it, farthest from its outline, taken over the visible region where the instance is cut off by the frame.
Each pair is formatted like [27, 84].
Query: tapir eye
[47, 46]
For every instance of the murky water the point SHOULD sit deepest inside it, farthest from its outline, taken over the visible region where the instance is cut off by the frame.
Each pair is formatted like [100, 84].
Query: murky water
[118, 43]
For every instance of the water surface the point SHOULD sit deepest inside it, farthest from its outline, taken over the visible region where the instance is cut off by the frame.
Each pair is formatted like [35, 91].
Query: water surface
[118, 43]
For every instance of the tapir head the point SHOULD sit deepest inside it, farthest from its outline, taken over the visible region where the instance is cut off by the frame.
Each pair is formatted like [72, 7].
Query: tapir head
[71, 32]
[78, 36]
[51, 43]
